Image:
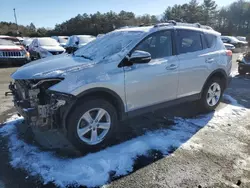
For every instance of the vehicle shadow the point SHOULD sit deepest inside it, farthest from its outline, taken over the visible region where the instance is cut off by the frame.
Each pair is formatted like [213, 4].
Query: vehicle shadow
[240, 89]
[9, 65]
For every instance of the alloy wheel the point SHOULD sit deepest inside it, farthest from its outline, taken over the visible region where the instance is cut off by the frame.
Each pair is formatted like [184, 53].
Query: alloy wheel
[213, 94]
[93, 126]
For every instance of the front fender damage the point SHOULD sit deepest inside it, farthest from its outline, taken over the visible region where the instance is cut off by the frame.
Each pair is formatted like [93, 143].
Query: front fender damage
[43, 112]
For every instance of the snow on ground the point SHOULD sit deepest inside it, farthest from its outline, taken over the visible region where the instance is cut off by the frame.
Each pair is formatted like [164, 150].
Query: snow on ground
[94, 169]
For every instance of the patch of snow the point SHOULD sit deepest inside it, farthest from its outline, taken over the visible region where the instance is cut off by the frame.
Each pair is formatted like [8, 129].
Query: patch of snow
[234, 73]
[94, 169]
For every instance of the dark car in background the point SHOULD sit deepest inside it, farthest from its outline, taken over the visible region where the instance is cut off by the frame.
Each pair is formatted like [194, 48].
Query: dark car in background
[244, 63]
[10, 53]
[77, 41]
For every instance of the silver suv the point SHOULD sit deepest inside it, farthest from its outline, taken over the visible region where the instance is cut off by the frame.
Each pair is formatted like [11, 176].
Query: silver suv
[125, 73]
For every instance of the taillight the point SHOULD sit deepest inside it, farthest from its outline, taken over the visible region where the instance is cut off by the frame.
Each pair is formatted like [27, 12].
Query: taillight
[229, 53]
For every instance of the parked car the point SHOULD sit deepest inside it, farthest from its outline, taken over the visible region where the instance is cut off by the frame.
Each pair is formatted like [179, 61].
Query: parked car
[77, 41]
[20, 39]
[44, 47]
[244, 63]
[123, 74]
[234, 41]
[26, 42]
[62, 40]
[244, 39]
[100, 35]
[12, 39]
[229, 46]
[10, 53]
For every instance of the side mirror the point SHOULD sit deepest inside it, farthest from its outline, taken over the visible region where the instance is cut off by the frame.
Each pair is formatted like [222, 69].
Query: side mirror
[139, 56]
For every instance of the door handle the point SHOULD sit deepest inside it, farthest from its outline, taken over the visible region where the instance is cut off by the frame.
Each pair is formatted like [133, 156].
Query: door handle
[209, 60]
[171, 67]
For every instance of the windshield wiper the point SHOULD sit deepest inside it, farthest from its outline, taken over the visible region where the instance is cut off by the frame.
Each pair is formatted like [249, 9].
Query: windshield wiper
[85, 57]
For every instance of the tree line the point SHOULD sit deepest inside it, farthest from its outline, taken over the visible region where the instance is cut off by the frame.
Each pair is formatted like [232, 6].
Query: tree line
[233, 19]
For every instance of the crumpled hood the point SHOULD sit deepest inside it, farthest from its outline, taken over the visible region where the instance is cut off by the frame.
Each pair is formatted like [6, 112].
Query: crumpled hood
[51, 67]
[53, 48]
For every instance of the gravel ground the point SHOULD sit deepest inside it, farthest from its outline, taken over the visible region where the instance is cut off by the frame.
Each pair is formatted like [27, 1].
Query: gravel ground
[221, 160]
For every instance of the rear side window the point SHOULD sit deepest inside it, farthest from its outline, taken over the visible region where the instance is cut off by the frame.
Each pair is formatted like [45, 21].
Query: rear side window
[188, 41]
[210, 40]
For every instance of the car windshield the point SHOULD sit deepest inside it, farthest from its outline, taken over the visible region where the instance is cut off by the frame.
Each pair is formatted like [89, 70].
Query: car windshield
[85, 39]
[47, 42]
[109, 44]
[6, 42]
[63, 39]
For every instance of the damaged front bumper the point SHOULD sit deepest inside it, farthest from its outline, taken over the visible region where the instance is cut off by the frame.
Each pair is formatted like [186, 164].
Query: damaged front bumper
[44, 112]
[42, 109]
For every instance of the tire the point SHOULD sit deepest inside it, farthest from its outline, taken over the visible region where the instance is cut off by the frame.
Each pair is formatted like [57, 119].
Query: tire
[241, 72]
[210, 105]
[74, 122]
[38, 56]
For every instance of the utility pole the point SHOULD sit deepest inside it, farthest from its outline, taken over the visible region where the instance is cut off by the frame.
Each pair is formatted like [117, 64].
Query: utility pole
[17, 32]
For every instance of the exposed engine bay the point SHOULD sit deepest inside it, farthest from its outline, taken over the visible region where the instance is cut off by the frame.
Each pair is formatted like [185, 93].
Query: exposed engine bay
[40, 107]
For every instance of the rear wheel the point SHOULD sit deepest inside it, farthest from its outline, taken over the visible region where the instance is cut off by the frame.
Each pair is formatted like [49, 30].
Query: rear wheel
[38, 56]
[212, 94]
[241, 71]
[92, 124]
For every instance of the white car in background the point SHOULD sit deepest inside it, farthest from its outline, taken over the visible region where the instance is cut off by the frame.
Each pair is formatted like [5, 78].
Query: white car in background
[77, 41]
[26, 42]
[44, 47]
[244, 39]
[62, 40]
[229, 46]
[234, 41]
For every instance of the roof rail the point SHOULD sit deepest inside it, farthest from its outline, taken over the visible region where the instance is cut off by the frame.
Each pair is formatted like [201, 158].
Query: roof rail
[143, 25]
[172, 22]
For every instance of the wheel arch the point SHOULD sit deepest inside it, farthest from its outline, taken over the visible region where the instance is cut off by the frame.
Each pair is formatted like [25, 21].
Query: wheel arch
[103, 93]
[219, 73]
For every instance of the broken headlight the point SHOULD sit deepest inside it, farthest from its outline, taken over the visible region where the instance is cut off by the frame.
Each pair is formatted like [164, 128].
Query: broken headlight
[46, 83]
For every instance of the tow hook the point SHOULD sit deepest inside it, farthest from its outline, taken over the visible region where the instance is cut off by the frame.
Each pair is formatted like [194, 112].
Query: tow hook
[8, 93]
[11, 88]
[58, 104]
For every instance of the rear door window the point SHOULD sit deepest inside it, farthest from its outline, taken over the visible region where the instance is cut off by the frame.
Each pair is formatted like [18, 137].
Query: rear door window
[188, 41]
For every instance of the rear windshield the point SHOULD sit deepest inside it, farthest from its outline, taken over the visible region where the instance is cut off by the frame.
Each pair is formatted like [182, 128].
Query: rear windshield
[47, 42]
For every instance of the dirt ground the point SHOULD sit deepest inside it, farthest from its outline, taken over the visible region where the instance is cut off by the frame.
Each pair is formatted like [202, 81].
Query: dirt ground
[204, 167]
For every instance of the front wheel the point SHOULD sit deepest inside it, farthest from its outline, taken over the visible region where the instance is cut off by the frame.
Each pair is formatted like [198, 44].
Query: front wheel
[92, 124]
[212, 94]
